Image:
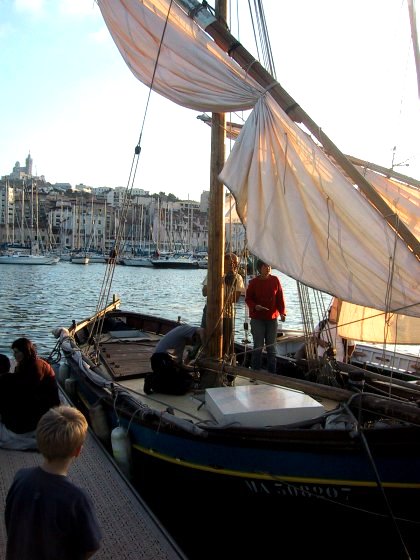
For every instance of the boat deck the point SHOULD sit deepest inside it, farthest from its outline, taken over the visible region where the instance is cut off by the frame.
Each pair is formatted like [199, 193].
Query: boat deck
[127, 354]
[130, 530]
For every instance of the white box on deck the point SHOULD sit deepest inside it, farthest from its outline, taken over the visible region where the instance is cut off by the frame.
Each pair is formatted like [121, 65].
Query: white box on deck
[260, 405]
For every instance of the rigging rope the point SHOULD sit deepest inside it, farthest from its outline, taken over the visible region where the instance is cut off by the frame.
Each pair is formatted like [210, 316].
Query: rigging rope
[264, 39]
[360, 433]
[110, 269]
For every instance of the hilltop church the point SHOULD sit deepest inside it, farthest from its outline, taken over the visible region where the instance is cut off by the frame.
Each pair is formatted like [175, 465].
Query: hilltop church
[22, 172]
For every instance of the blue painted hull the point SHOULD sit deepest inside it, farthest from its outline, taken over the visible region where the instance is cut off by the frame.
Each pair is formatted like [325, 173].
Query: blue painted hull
[376, 467]
[307, 465]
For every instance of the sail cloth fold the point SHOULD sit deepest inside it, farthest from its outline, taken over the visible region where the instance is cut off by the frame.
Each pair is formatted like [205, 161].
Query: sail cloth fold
[302, 215]
[191, 69]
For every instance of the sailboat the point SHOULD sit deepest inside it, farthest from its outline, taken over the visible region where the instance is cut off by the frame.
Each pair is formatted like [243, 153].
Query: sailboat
[137, 261]
[31, 258]
[81, 255]
[271, 436]
[29, 252]
[80, 258]
[178, 260]
[20, 257]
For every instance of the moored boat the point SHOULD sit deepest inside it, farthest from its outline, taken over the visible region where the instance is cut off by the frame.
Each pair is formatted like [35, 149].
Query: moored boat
[182, 260]
[79, 259]
[137, 261]
[97, 258]
[28, 259]
[291, 437]
[270, 436]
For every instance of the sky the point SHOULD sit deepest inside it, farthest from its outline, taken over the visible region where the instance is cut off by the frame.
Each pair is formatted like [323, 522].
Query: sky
[69, 99]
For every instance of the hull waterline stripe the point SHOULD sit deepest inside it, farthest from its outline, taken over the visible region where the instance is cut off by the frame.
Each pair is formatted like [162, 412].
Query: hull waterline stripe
[267, 476]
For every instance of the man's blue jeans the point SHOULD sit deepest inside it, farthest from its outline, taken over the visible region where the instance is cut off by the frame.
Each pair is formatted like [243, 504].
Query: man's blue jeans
[264, 332]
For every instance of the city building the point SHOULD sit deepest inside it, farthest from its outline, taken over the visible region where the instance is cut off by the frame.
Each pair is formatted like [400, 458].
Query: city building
[84, 217]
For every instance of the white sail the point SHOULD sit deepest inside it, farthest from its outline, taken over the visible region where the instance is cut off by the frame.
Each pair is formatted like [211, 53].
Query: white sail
[371, 325]
[302, 214]
[186, 66]
[403, 198]
[305, 217]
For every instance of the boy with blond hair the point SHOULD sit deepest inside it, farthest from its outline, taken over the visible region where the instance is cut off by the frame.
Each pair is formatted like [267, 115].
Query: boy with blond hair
[47, 516]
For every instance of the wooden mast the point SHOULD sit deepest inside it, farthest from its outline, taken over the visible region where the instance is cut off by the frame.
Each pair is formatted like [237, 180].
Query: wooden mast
[216, 236]
[225, 40]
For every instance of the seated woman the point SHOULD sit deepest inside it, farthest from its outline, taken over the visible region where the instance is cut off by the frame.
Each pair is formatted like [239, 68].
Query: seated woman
[25, 396]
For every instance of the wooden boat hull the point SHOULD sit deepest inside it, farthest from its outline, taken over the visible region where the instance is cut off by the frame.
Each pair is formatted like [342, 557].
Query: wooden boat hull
[308, 463]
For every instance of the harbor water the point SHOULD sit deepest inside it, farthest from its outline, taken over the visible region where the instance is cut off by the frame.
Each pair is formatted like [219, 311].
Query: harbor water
[38, 299]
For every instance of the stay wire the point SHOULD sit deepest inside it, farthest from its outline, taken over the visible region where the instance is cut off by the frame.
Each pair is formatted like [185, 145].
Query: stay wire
[264, 40]
[381, 488]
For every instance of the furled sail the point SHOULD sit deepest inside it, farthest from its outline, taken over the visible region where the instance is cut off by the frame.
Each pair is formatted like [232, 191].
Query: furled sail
[302, 214]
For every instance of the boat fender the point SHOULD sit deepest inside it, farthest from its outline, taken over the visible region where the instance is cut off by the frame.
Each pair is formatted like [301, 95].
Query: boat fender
[183, 424]
[99, 422]
[121, 449]
[63, 373]
[70, 385]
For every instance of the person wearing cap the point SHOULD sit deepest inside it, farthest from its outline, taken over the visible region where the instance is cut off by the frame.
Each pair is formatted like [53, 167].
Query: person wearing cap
[265, 300]
[234, 287]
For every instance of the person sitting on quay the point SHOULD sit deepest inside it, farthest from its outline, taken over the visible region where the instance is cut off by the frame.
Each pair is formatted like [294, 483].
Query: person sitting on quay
[25, 395]
[46, 515]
